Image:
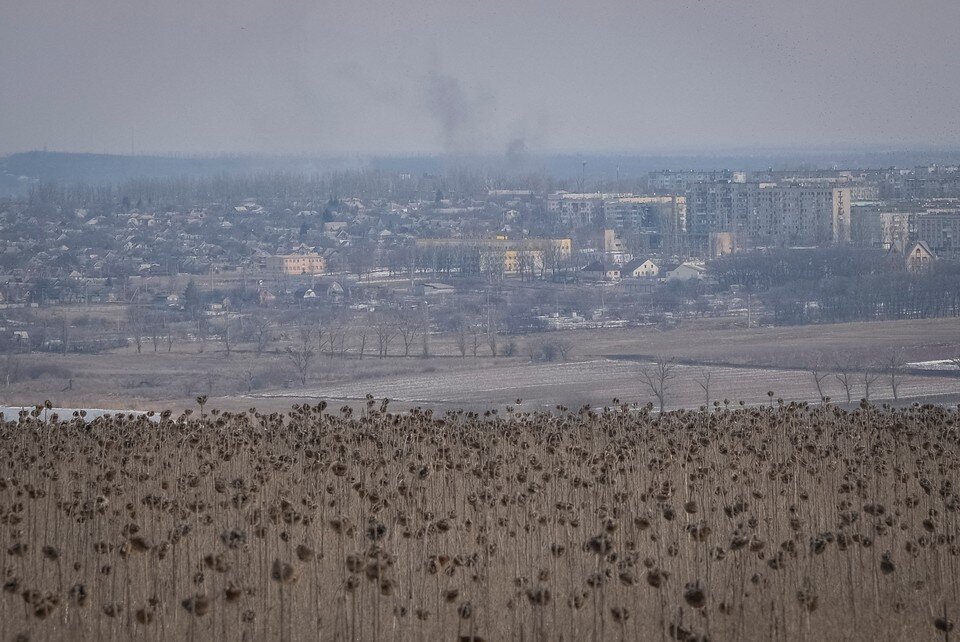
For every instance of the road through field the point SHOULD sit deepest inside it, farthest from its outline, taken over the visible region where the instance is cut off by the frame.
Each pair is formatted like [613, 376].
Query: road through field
[598, 381]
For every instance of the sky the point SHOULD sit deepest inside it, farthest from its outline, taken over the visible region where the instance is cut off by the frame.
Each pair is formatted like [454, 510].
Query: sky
[361, 77]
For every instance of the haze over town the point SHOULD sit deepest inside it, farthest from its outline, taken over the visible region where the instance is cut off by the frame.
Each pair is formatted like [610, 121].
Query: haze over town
[431, 76]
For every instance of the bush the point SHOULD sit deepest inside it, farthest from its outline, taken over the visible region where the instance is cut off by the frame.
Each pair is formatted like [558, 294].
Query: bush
[544, 351]
[38, 370]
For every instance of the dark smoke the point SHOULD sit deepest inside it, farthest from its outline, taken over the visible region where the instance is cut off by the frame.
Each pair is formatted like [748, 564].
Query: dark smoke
[461, 118]
[517, 153]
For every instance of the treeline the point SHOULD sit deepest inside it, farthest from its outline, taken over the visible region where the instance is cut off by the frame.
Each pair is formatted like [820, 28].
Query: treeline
[369, 183]
[185, 191]
[834, 285]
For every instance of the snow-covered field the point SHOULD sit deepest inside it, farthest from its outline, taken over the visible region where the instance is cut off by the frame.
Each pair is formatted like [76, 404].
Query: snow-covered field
[598, 381]
[13, 412]
[943, 365]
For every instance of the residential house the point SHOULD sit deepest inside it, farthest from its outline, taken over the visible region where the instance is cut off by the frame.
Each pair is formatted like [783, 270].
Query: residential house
[639, 268]
[686, 272]
[919, 257]
[598, 270]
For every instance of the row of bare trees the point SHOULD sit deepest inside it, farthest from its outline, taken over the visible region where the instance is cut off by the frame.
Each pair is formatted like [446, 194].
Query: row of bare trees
[658, 376]
[850, 372]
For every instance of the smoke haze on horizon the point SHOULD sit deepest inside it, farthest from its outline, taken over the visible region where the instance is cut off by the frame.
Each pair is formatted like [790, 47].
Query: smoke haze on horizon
[335, 77]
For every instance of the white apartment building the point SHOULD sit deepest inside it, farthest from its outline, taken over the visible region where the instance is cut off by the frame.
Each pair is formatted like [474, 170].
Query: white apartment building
[772, 214]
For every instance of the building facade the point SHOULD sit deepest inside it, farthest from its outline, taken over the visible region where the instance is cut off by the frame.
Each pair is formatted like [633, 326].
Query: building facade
[663, 214]
[792, 215]
[509, 256]
[772, 213]
[295, 264]
[940, 230]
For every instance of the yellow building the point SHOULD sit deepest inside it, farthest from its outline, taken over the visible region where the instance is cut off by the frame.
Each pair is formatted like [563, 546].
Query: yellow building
[295, 264]
[514, 255]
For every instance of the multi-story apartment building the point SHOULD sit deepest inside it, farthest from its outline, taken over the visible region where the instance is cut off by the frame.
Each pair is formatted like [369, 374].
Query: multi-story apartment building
[940, 230]
[866, 229]
[664, 214]
[578, 210]
[771, 213]
[615, 251]
[896, 229]
[795, 214]
[681, 181]
[709, 207]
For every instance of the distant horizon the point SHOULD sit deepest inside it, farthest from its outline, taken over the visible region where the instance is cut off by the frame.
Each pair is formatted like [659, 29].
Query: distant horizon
[674, 152]
[597, 169]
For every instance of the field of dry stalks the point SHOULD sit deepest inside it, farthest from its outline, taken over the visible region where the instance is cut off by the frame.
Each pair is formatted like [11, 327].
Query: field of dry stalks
[781, 522]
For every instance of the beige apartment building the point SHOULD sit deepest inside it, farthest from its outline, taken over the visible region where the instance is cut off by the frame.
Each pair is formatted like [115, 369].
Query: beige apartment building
[295, 264]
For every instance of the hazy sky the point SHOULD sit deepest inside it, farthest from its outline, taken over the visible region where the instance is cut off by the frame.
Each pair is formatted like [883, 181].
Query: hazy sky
[365, 76]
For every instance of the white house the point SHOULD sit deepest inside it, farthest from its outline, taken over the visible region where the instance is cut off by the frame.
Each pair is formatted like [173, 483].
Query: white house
[686, 272]
[598, 270]
[638, 268]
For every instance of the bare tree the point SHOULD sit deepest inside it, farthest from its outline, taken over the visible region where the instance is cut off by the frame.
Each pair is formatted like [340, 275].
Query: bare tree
[894, 364]
[844, 374]
[703, 380]
[565, 348]
[225, 337]
[362, 335]
[338, 339]
[461, 338]
[870, 376]
[261, 333]
[408, 327]
[301, 354]
[385, 333]
[136, 320]
[819, 375]
[657, 376]
[475, 343]
[543, 350]
[202, 332]
[155, 333]
[552, 256]
[11, 370]
[137, 336]
[322, 338]
[492, 340]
